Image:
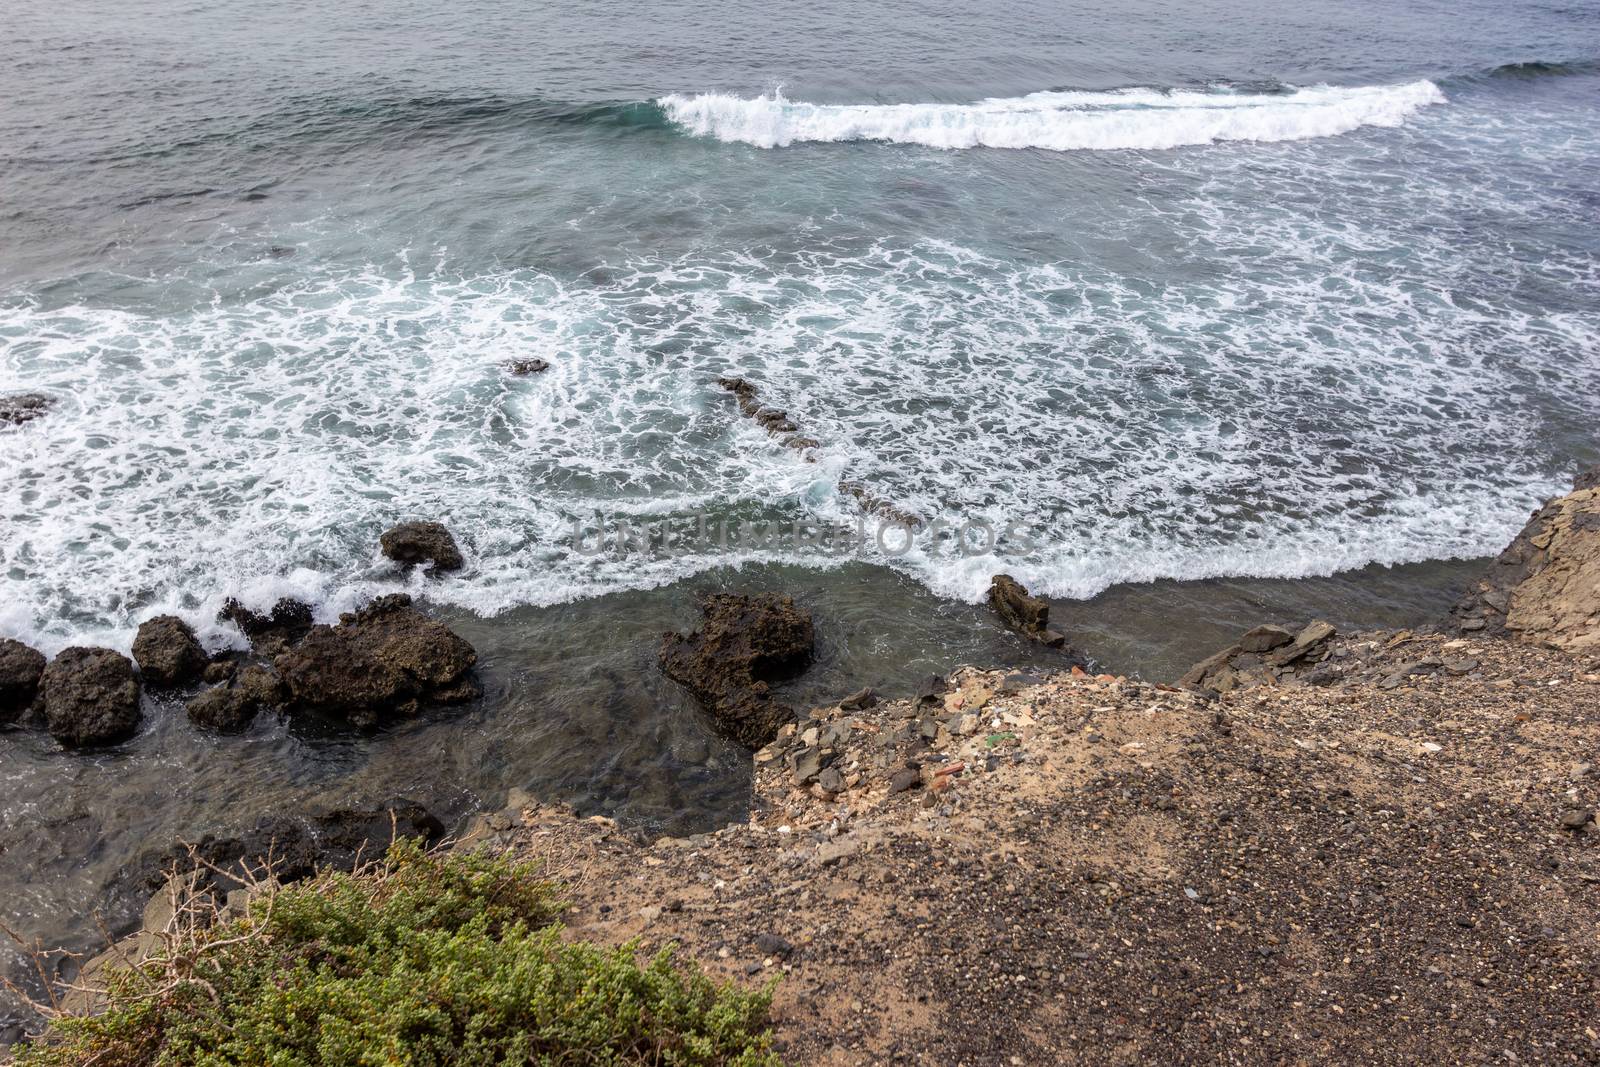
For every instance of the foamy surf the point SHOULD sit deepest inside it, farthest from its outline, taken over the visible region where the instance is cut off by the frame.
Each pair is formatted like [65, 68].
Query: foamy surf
[1145, 119]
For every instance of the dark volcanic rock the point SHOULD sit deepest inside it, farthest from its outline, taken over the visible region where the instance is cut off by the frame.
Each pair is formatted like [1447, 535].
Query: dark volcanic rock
[19, 408]
[90, 697]
[293, 847]
[422, 542]
[167, 652]
[745, 643]
[523, 367]
[287, 622]
[381, 662]
[1027, 615]
[20, 670]
[233, 707]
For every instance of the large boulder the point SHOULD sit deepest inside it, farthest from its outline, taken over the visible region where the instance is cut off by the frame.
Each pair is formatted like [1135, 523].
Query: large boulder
[744, 644]
[381, 662]
[1545, 587]
[91, 697]
[20, 670]
[232, 707]
[422, 542]
[1027, 615]
[167, 652]
[19, 408]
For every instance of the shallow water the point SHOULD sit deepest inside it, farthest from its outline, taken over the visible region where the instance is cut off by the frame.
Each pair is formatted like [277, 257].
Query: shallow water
[1188, 300]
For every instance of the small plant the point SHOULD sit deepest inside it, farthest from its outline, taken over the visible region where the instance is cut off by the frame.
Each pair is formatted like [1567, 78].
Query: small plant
[421, 959]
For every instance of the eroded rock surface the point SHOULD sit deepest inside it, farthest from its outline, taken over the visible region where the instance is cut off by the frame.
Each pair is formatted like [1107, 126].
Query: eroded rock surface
[272, 632]
[167, 652]
[232, 707]
[19, 408]
[1026, 614]
[414, 543]
[382, 662]
[1265, 655]
[745, 643]
[1545, 587]
[91, 697]
[21, 668]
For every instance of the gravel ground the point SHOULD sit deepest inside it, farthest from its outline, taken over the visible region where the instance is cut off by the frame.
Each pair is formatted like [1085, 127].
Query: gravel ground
[1396, 865]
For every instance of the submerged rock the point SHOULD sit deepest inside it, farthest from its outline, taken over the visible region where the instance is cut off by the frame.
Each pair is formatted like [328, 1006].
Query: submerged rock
[91, 697]
[167, 652]
[1027, 615]
[745, 643]
[523, 367]
[233, 707]
[19, 408]
[294, 847]
[422, 542]
[1545, 587]
[382, 662]
[21, 668]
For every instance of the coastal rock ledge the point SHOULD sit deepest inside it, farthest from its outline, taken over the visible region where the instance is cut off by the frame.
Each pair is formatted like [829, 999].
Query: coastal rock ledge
[91, 697]
[745, 643]
[1545, 587]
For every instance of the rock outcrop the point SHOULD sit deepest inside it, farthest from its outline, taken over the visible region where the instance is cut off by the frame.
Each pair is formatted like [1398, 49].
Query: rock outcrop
[167, 652]
[19, 408]
[231, 707]
[20, 670]
[1027, 615]
[91, 697]
[270, 633]
[524, 367]
[382, 662]
[413, 543]
[744, 644]
[1545, 587]
[1266, 655]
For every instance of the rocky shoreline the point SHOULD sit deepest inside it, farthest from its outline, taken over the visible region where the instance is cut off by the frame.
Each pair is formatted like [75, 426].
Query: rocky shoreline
[1309, 841]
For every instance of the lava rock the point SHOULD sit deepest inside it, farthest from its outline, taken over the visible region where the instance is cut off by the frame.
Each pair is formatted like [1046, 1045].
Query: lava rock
[294, 847]
[91, 697]
[287, 622]
[19, 408]
[413, 543]
[231, 708]
[744, 644]
[167, 651]
[20, 670]
[384, 661]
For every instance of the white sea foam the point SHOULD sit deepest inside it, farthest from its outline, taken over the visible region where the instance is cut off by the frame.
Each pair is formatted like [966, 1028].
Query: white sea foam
[1060, 121]
[1320, 384]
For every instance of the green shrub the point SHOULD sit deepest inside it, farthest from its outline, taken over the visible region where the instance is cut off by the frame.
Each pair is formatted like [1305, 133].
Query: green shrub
[421, 960]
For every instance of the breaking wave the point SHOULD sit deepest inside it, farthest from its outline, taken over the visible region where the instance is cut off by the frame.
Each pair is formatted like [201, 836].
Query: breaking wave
[1059, 121]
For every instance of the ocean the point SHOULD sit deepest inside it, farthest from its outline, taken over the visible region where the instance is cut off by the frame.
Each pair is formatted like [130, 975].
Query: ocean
[1186, 315]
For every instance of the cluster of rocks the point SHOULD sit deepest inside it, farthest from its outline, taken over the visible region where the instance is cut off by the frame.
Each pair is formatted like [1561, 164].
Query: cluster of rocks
[1263, 656]
[18, 408]
[744, 644]
[1545, 586]
[779, 424]
[382, 662]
